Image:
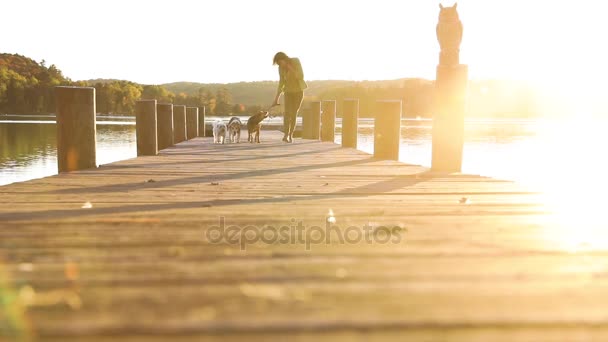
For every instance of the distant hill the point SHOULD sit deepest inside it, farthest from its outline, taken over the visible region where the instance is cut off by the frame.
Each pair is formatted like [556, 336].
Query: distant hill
[416, 94]
[262, 92]
[249, 93]
[487, 98]
[27, 87]
[22, 65]
[103, 81]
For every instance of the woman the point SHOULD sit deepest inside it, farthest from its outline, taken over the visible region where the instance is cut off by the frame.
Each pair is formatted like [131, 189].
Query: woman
[291, 82]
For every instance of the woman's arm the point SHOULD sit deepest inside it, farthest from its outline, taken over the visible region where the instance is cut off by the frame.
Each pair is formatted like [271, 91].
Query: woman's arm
[280, 88]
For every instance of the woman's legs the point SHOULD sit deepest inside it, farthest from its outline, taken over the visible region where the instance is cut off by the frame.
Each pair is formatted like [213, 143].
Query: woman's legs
[293, 101]
[286, 120]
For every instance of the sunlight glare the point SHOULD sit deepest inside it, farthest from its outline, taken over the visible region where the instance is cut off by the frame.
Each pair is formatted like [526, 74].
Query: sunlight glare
[573, 191]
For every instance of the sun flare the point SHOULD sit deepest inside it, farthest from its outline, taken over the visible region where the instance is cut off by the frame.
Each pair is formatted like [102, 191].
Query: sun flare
[574, 186]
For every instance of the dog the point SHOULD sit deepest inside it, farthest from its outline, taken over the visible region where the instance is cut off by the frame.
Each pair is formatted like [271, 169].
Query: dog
[254, 124]
[219, 132]
[234, 130]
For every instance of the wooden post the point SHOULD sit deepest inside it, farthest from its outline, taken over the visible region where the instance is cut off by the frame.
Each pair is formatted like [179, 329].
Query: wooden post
[328, 118]
[191, 122]
[306, 124]
[315, 120]
[350, 122]
[387, 130]
[145, 121]
[448, 121]
[179, 124]
[201, 122]
[164, 127]
[76, 131]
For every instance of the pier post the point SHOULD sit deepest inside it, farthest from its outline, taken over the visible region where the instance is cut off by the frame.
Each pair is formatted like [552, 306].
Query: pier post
[179, 123]
[145, 121]
[306, 124]
[448, 121]
[201, 122]
[191, 123]
[76, 131]
[315, 120]
[350, 122]
[450, 94]
[164, 129]
[328, 121]
[387, 130]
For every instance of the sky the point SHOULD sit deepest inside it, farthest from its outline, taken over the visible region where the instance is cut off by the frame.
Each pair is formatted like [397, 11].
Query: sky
[221, 41]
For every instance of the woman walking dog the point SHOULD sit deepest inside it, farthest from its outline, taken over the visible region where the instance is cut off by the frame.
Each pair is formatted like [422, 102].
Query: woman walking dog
[291, 82]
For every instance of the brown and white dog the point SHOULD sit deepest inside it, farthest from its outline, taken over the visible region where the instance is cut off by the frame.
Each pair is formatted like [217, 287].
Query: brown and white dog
[234, 130]
[254, 124]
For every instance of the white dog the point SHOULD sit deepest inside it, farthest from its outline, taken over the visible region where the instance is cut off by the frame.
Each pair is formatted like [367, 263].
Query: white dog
[219, 132]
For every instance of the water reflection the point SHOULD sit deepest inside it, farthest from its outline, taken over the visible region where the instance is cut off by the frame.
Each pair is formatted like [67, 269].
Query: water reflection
[522, 150]
[115, 142]
[493, 147]
[28, 149]
[20, 142]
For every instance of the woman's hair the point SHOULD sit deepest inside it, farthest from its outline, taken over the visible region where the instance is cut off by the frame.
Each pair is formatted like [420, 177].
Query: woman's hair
[279, 56]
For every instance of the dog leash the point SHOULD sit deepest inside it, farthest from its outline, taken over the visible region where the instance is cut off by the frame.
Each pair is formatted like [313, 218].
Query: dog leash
[269, 108]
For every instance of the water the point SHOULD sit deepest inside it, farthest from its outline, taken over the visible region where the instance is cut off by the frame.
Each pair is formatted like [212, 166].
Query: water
[493, 147]
[28, 147]
[520, 150]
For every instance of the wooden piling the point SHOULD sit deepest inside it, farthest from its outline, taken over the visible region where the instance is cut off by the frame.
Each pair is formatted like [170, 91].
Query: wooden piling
[306, 124]
[328, 121]
[387, 130]
[179, 123]
[315, 120]
[164, 128]
[76, 131]
[448, 121]
[350, 122]
[145, 121]
[191, 122]
[201, 122]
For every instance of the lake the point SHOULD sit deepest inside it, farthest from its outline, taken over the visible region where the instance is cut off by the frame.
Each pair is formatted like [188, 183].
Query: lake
[528, 151]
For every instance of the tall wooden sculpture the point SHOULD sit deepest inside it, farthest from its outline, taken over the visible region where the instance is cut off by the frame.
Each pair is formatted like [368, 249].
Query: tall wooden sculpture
[449, 35]
[450, 87]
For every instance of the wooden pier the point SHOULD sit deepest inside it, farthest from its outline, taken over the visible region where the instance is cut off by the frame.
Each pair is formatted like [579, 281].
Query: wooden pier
[128, 251]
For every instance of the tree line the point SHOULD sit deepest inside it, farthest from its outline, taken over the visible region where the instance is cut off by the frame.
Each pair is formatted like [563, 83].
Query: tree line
[27, 87]
[119, 97]
[416, 95]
